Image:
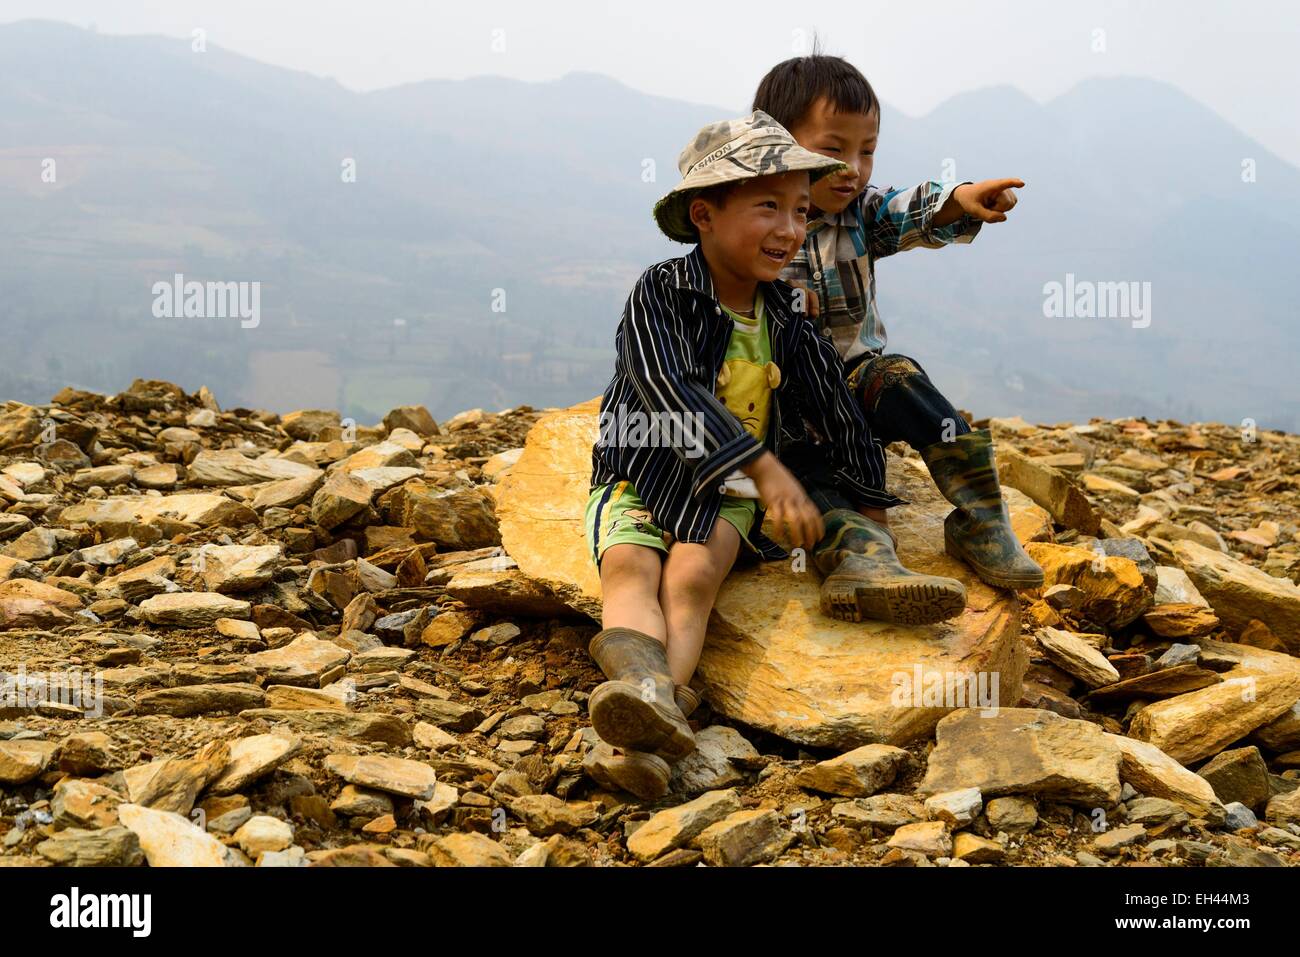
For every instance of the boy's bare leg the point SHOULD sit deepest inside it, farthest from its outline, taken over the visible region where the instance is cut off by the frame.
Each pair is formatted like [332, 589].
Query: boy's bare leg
[629, 587]
[692, 576]
[635, 708]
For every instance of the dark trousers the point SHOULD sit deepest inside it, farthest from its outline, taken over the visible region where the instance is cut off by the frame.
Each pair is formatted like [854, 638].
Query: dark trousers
[900, 403]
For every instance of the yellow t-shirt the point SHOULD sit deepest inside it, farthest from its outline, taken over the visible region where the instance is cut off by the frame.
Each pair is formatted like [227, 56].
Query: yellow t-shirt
[748, 373]
[746, 382]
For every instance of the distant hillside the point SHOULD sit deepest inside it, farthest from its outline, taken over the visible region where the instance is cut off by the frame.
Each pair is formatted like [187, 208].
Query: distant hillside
[491, 191]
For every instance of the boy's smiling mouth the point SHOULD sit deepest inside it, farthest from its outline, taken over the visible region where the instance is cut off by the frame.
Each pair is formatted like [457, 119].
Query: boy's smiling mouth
[775, 253]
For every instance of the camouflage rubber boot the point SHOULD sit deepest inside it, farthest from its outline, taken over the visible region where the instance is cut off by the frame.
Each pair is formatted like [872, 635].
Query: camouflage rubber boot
[637, 772]
[865, 579]
[979, 530]
[635, 709]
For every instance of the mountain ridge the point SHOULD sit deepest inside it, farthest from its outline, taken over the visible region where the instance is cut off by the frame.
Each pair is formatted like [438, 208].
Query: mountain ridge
[233, 171]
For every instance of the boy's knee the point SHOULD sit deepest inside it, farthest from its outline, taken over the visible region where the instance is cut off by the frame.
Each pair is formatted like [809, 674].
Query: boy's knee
[891, 370]
[694, 577]
[896, 383]
[630, 566]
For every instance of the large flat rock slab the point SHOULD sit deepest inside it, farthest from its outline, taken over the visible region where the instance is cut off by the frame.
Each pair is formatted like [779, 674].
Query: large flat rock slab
[1239, 592]
[772, 660]
[197, 508]
[540, 502]
[1025, 751]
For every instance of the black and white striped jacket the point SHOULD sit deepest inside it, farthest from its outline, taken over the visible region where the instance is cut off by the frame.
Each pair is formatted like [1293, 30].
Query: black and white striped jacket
[671, 344]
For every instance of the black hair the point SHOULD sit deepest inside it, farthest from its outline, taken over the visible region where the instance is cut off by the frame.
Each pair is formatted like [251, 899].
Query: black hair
[717, 194]
[791, 87]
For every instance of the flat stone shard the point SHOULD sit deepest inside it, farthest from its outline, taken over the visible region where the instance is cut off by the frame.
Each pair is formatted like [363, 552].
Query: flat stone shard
[192, 609]
[252, 758]
[456, 519]
[173, 784]
[859, 773]
[170, 840]
[287, 493]
[189, 700]
[956, 808]
[1239, 776]
[301, 662]
[677, 826]
[26, 603]
[305, 424]
[1072, 654]
[1240, 593]
[112, 846]
[720, 754]
[394, 775]
[370, 727]
[1202, 723]
[545, 814]
[1152, 772]
[1024, 751]
[930, 838]
[781, 666]
[231, 467]
[237, 568]
[20, 761]
[469, 849]
[192, 508]
[1048, 487]
[506, 592]
[1284, 809]
[1181, 620]
[744, 838]
[84, 804]
[339, 499]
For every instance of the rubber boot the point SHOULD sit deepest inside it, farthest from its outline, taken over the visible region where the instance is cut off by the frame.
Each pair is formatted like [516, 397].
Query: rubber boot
[865, 579]
[978, 531]
[637, 772]
[635, 709]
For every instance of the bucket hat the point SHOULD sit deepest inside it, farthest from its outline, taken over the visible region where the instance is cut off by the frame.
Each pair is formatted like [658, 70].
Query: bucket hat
[728, 151]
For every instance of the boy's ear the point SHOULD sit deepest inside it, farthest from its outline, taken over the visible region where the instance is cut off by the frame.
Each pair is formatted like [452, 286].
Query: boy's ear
[701, 215]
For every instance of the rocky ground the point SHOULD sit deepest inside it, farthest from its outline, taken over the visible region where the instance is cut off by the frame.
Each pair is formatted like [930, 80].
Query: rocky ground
[229, 637]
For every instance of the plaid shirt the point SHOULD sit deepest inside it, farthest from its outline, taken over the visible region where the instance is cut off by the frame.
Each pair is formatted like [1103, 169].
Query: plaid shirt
[670, 345]
[837, 259]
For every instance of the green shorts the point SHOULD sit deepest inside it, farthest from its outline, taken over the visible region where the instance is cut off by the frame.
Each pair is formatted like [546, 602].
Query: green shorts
[615, 515]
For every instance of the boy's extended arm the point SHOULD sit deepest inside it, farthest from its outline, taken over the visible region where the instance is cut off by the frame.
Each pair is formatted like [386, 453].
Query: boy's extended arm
[899, 219]
[857, 455]
[988, 201]
[657, 356]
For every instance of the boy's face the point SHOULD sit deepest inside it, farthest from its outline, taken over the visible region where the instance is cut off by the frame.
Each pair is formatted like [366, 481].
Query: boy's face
[849, 137]
[759, 228]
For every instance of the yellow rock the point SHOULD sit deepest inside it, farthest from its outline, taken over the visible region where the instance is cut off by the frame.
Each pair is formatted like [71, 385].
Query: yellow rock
[772, 660]
[1114, 592]
[1240, 593]
[198, 508]
[1202, 723]
[1156, 774]
[1047, 486]
[39, 591]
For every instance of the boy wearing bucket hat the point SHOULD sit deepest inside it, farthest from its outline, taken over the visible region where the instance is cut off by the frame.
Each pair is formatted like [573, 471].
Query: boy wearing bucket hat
[830, 108]
[709, 347]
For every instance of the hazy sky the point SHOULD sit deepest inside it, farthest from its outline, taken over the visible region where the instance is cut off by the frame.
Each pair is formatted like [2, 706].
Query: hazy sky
[1238, 58]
